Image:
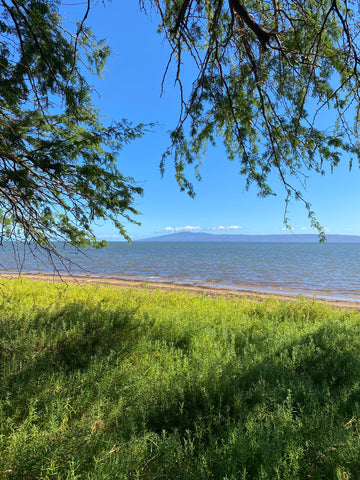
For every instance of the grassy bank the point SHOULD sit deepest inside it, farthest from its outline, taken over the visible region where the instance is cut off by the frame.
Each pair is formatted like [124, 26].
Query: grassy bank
[104, 383]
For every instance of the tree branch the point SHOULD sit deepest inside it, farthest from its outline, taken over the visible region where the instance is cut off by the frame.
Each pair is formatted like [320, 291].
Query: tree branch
[264, 36]
[181, 15]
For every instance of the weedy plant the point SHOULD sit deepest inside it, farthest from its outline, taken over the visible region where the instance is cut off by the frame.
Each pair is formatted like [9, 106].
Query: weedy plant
[108, 383]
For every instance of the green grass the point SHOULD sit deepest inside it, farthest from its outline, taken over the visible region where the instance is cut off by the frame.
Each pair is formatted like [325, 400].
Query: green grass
[104, 383]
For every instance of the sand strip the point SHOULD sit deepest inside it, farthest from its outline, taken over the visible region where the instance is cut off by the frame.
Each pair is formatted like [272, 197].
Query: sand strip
[166, 286]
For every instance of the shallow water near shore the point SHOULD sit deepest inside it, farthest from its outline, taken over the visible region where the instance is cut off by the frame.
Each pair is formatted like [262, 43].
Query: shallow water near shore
[322, 270]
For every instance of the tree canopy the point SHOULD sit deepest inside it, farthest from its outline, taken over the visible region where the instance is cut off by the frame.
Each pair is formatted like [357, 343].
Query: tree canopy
[58, 170]
[267, 70]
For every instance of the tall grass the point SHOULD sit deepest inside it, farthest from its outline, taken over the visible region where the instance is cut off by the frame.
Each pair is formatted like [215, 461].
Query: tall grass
[104, 383]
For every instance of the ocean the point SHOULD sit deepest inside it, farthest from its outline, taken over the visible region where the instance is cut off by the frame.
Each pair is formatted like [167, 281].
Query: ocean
[311, 269]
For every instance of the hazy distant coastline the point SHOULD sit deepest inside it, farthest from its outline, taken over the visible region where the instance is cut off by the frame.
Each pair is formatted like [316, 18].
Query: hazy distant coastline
[235, 238]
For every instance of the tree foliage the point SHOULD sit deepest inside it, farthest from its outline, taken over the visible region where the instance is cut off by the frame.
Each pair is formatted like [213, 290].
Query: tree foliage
[58, 162]
[268, 73]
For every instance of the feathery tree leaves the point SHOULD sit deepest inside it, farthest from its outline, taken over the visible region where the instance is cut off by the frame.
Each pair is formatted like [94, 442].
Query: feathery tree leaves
[58, 162]
[268, 72]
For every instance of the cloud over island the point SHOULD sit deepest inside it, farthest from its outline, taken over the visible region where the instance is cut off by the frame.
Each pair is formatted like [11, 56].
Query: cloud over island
[190, 228]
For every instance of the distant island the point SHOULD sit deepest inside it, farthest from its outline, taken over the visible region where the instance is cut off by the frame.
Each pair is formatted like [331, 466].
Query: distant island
[233, 238]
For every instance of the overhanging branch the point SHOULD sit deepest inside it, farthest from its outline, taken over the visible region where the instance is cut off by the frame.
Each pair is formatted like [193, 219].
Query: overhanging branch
[264, 36]
[181, 15]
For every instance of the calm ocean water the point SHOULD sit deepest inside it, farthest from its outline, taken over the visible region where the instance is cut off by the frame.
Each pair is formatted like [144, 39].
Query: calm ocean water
[324, 270]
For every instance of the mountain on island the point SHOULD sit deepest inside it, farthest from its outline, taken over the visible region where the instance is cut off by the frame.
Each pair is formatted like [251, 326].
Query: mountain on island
[227, 238]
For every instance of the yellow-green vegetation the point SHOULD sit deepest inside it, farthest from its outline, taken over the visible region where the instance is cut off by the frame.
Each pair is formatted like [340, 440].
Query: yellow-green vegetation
[105, 383]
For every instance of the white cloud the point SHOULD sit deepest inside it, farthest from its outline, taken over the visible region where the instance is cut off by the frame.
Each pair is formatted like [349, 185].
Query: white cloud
[221, 228]
[190, 228]
[326, 229]
[108, 237]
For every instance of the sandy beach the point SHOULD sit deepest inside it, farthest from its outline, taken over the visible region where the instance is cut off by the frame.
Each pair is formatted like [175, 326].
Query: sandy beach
[166, 286]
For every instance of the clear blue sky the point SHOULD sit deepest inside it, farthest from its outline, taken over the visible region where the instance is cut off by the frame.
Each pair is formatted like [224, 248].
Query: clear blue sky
[131, 89]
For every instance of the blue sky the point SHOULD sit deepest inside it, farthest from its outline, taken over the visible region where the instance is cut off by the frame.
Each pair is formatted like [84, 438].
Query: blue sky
[131, 89]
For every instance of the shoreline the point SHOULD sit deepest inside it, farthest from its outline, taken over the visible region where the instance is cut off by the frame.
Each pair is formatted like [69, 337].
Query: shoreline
[193, 289]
